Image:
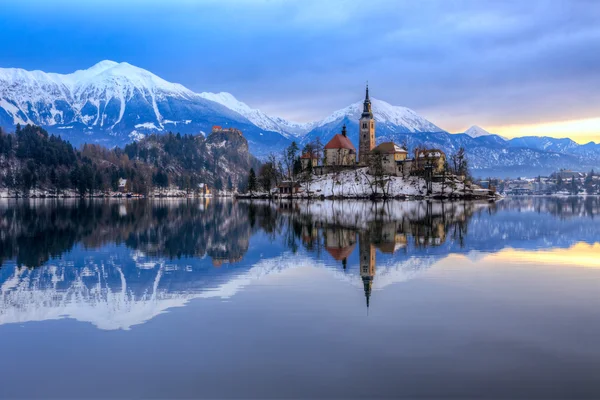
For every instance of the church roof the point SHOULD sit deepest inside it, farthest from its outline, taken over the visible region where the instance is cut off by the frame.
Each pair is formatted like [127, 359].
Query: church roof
[389, 148]
[340, 253]
[340, 142]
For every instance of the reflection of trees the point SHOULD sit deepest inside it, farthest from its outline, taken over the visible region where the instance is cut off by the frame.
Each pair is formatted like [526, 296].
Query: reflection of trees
[387, 225]
[32, 232]
[561, 207]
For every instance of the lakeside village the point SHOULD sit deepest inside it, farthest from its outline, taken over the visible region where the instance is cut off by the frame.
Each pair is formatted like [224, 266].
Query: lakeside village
[337, 170]
[562, 183]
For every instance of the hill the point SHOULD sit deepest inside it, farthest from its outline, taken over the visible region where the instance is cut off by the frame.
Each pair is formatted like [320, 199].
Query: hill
[34, 161]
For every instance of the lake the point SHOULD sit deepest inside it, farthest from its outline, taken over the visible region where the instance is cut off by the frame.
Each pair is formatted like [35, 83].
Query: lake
[208, 298]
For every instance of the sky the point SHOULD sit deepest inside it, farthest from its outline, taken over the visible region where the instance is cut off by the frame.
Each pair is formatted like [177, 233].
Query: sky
[512, 67]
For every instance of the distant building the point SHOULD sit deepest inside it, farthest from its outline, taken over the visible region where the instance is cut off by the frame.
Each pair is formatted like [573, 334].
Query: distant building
[204, 189]
[288, 188]
[434, 157]
[220, 129]
[340, 151]
[520, 187]
[565, 174]
[122, 185]
[309, 159]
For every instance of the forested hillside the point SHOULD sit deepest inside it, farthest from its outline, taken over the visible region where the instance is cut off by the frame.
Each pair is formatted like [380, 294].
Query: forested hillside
[33, 161]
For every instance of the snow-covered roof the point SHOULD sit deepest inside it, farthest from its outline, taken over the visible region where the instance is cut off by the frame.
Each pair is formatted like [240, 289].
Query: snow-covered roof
[430, 153]
[389, 148]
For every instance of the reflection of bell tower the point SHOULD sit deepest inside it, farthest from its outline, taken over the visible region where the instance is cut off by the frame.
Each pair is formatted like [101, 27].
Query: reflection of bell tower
[367, 263]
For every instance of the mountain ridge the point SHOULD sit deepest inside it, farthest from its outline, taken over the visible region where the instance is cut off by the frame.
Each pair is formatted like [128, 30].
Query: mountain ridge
[114, 104]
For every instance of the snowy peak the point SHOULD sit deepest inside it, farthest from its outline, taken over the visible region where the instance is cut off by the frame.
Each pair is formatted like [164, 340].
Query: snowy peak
[276, 124]
[477, 131]
[385, 113]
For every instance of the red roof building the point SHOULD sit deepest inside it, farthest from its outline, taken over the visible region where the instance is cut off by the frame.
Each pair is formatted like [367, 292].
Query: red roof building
[340, 141]
[340, 151]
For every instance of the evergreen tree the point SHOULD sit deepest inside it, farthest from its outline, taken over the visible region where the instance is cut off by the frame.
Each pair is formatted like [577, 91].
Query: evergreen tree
[219, 184]
[251, 180]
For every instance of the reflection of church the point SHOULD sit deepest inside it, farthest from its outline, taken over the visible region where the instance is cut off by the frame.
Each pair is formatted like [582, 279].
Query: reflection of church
[367, 263]
[387, 237]
[340, 244]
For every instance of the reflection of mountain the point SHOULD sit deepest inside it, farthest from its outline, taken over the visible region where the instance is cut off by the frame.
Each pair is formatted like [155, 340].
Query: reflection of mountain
[118, 264]
[117, 293]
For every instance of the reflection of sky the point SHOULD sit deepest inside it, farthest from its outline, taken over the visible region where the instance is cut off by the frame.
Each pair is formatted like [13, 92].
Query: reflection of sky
[579, 255]
[511, 309]
[471, 328]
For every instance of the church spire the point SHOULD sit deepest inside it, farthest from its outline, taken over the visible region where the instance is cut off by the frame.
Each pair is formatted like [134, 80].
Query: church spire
[367, 105]
[367, 282]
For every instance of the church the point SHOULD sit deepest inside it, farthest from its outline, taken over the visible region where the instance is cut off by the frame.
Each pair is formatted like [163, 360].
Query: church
[340, 152]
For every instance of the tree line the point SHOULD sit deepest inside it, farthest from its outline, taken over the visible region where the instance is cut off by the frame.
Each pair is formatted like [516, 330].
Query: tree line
[32, 159]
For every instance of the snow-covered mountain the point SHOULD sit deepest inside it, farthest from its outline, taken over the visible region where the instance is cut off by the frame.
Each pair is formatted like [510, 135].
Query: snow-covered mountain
[477, 131]
[114, 103]
[392, 122]
[401, 118]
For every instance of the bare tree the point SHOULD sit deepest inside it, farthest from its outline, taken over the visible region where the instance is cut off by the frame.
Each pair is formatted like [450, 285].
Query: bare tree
[380, 178]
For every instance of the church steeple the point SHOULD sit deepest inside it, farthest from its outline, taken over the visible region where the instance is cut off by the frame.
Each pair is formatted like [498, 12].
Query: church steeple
[366, 133]
[367, 105]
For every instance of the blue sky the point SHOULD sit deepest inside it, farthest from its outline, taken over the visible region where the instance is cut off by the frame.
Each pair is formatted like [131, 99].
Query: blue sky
[509, 66]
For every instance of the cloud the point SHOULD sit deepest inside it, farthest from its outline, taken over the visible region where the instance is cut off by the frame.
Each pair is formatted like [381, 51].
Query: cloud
[492, 63]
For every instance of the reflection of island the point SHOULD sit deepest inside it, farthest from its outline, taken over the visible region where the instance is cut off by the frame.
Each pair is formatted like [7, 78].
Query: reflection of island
[387, 237]
[118, 264]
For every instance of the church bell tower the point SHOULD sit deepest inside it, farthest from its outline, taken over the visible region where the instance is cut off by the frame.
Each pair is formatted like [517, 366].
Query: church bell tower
[366, 125]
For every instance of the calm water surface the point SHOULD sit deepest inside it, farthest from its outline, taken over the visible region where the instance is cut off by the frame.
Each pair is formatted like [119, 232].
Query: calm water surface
[328, 299]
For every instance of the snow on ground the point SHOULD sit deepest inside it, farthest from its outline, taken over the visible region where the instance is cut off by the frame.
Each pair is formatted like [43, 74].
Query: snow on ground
[358, 183]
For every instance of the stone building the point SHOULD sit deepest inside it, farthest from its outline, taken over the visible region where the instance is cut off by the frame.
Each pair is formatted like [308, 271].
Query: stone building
[433, 157]
[392, 158]
[309, 159]
[340, 151]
